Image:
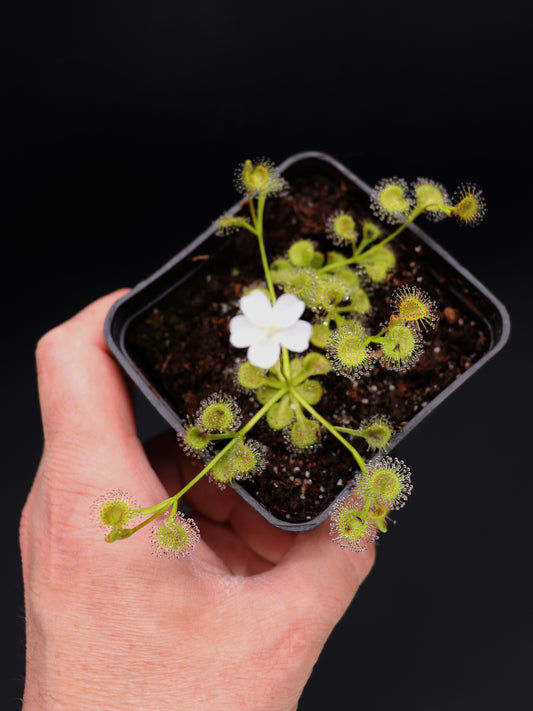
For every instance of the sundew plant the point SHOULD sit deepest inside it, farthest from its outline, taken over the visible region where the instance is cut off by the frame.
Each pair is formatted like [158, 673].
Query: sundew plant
[305, 320]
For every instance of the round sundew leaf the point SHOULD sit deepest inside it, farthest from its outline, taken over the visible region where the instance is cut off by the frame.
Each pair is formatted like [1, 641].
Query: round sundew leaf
[317, 261]
[393, 199]
[400, 342]
[301, 253]
[360, 302]
[296, 366]
[304, 433]
[250, 377]
[429, 195]
[280, 414]
[311, 391]
[344, 226]
[349, 278]
[320, 335]
[379, 262]
[264, 394]
[316, 364]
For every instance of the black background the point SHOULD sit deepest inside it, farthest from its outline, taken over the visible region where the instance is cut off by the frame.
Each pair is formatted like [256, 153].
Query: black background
[121, 127]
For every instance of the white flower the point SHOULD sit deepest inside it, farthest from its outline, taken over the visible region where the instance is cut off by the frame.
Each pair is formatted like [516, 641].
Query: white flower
[264, 327]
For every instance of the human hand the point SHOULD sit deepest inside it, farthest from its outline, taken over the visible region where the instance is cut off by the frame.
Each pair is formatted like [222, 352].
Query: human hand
[238, 625]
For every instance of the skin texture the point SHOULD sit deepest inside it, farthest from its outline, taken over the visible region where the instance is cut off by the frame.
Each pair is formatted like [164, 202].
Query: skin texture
[237, 625]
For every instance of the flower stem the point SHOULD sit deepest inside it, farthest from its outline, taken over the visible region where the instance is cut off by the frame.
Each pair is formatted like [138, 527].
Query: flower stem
[252, 211]
[262, 250]
[286, 365]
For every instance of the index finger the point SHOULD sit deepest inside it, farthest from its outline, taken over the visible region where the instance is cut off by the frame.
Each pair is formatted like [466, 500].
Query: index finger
[86, 405]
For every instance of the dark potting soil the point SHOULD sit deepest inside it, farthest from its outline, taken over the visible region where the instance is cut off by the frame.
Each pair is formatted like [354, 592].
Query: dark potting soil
[182, 344]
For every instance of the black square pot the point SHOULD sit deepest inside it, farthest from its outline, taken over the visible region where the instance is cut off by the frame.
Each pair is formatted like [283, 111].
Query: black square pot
[196, 260]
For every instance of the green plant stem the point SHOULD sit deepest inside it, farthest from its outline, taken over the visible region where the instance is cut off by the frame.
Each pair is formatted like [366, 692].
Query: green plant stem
[348, 430]
[368, 503]
[158, 513]
[157, 509]
[298, 412]
[373, 339]
[286, 365]
[250, 228]
[244, 430]
[173, 500]
[355, 454]
[361, 246]
[380, 337]
[222, 435]
[301, 378]
[363, 255]
[262, 250]
[279, 375]
[384, 330]
[401, 228]
[252, 211]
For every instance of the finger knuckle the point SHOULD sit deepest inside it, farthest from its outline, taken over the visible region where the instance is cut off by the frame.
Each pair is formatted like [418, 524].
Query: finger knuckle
[49, 346]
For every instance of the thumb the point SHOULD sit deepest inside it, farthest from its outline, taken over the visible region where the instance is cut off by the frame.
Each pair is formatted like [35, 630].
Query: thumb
[322, 577]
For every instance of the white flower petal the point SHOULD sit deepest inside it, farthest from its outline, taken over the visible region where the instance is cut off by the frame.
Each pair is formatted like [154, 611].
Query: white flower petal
[243, 333]
[264, 353]
[287, 310]
[256, 307]
[296, 338]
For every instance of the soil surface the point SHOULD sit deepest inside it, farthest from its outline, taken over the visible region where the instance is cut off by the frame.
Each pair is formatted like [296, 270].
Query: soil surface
[182, 344]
